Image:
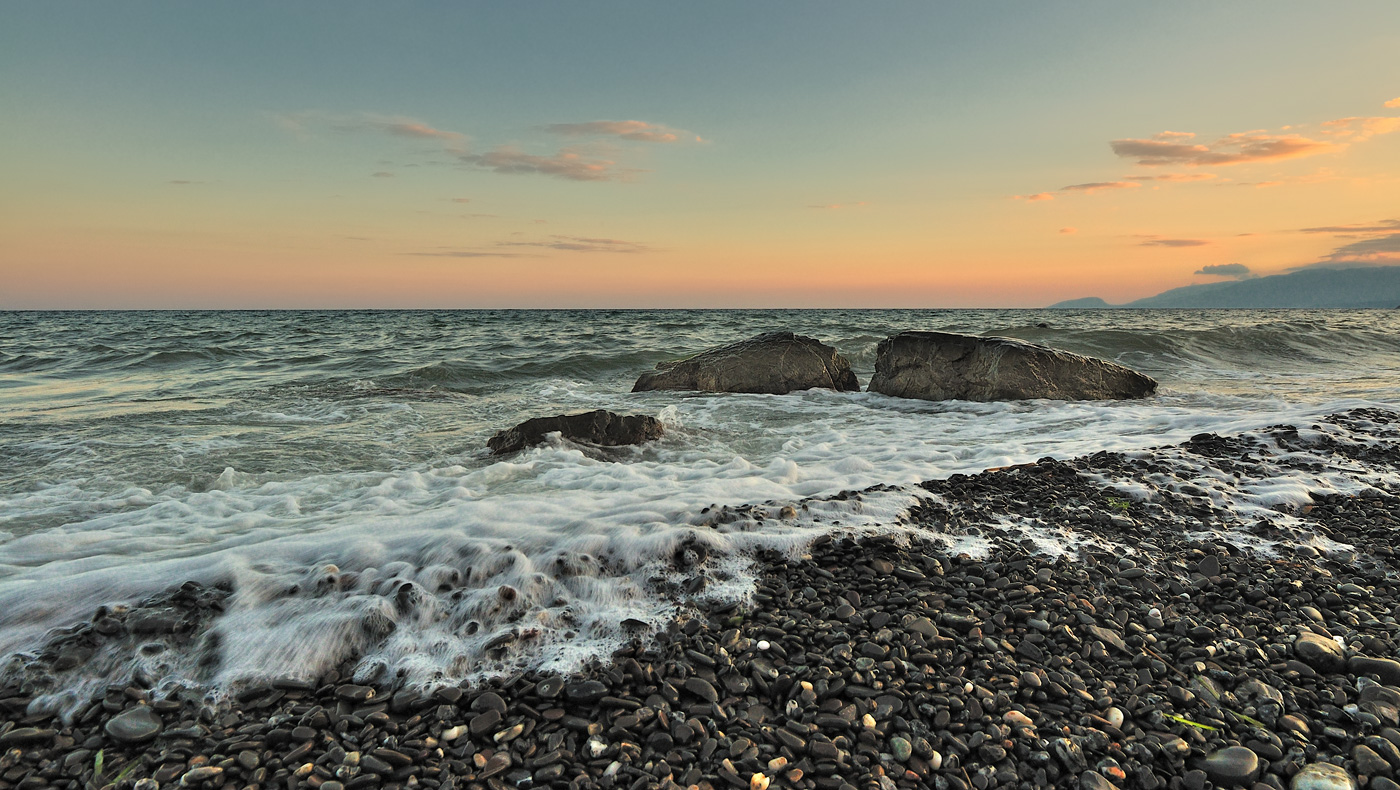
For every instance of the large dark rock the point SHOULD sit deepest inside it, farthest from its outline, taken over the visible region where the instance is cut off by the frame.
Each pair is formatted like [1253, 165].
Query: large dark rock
[773, 363]
[598, 427]
[944, 366]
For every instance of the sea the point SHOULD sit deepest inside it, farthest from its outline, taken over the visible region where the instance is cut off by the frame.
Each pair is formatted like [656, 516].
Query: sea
[329, 470]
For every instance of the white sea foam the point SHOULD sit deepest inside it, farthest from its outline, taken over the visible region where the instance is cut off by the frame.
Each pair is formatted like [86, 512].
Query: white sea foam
[379, 471]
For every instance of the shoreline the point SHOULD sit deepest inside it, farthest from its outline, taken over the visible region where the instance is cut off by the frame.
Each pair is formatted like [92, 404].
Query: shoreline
[882, 661]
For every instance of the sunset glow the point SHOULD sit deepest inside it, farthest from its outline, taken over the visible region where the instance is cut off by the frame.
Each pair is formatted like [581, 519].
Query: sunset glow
[728, 155]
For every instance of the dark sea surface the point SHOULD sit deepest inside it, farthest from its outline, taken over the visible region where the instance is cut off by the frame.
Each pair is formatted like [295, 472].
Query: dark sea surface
[319, 461]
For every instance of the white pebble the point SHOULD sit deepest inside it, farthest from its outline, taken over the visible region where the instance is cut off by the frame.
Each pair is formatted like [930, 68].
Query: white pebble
[763, 644]
[453, 733]
[1018, 718]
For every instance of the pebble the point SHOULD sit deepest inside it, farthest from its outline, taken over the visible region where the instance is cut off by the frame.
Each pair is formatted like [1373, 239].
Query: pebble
[24, 736]
[1322, 776]
[1368, 762]
[702, 688]
[1319, 652]
[136, 725]
[201, 774]
[1388, 670]
[1233, 765]
[1089, 780]
[585, 692]
[869, 662]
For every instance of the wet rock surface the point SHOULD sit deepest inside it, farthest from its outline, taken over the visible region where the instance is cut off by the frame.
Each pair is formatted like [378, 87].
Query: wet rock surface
[773, 363]
[875, 661]
[599, 428]
[945, 366]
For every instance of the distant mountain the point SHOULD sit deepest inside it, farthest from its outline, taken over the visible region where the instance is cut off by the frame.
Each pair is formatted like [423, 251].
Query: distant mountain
[1372, 286]
[1083, 304]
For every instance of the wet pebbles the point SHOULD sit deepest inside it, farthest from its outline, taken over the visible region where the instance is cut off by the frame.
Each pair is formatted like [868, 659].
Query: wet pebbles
[874, 662]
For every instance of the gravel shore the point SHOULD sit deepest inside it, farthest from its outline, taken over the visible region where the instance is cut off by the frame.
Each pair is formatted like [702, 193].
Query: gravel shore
[1155, 653]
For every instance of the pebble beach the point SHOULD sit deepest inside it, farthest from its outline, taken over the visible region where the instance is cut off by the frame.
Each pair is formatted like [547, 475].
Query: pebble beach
[1171, 645]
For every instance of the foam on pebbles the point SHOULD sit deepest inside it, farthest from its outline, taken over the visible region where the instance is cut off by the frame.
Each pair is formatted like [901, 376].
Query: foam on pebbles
[890, 661]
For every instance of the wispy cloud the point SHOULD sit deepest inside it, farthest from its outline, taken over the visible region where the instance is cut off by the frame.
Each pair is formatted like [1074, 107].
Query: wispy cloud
[1236, 270]
[1376, 251]
[471, 254]
[306, 121]
[1384, 226]
[589, 160]
[409, 127]
[382, 174]
[1367, 244]
[1158, 241]
[627, 130]
[1183, 149]
[1174, 177]
[581, 244]
[1231, 149]
[1069, 231]
[569, 163]
[1099, 186]
[460, 200]
[1359, 129]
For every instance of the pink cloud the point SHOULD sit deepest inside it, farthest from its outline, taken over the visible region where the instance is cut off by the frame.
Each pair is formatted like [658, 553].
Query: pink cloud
[1232, 149]
[1393, 102]
[1359, 129]
[1036, 197]
[568, 163]
[627, 130]
[407, 127]
[1069, 231]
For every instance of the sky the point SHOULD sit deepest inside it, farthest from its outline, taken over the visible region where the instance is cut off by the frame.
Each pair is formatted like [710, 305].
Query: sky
[720, 154]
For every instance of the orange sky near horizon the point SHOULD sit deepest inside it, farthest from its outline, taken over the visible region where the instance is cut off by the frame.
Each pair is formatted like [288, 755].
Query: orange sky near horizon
[890, 175]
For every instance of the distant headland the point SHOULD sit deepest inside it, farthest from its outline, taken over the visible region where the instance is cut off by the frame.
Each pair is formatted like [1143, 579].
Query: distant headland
[1371, 286]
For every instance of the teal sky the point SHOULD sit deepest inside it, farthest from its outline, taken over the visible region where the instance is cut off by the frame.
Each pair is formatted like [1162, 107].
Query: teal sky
[151, 151]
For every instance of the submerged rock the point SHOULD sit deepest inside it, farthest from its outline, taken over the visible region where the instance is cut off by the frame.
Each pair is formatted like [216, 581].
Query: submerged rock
[137, 725]
[944, 366]
[598, 427]
[773, 363]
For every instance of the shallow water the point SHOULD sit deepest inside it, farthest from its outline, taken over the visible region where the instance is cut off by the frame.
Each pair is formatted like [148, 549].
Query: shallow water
[144, 449]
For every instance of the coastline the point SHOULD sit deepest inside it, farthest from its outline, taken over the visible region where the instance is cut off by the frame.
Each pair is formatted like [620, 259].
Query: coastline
[880, 661]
